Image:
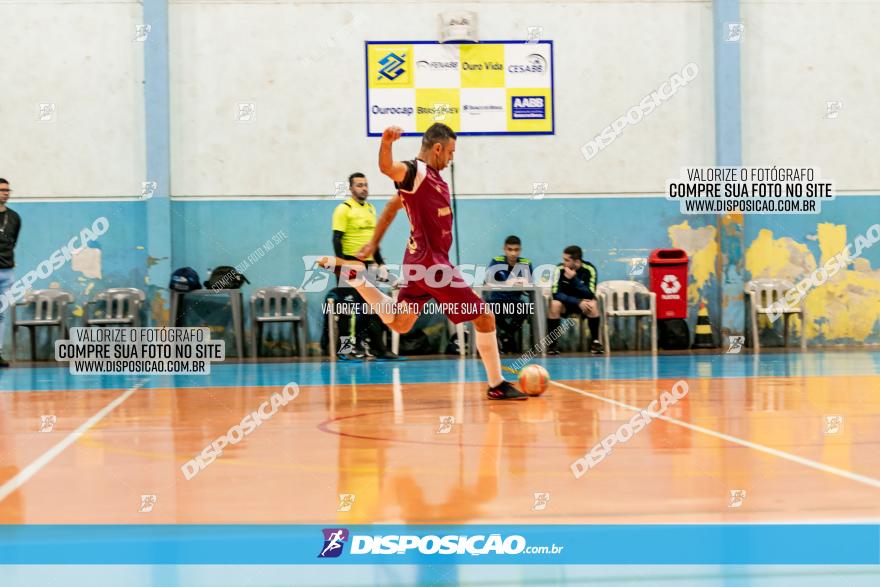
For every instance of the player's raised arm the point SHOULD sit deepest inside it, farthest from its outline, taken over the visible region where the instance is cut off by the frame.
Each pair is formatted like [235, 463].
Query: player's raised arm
[385, 220]
[387, 165]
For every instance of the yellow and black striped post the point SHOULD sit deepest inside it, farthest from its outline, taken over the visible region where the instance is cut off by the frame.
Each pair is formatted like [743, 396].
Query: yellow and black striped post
[703, 338]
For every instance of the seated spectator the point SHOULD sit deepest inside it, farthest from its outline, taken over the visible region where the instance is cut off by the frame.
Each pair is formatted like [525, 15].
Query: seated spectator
[574, 287]
[509, 269]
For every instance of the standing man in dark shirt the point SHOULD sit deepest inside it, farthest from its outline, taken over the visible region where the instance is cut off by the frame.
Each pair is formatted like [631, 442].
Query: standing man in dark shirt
[574, 292]
[10, 225]
[509, 268]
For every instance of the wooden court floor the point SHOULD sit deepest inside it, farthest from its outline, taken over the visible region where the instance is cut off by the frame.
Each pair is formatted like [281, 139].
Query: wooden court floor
[796, 437]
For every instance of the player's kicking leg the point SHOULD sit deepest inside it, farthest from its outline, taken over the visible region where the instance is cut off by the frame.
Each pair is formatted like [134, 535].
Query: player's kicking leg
[487, 345]
[396, 316]
[399, 318]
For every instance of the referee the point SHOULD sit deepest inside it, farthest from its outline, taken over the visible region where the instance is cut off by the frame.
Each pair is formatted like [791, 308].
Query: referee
[354, 222]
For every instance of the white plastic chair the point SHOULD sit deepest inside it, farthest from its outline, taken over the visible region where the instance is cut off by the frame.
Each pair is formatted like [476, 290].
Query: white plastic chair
[121, 305]
[50, 310]
[618, 298]
[761, 293]
[279, 304]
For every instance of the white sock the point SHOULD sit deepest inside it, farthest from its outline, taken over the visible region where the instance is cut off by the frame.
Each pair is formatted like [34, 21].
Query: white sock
[487, 344]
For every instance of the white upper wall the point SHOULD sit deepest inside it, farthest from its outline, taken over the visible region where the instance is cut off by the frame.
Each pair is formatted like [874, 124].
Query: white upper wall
[302, 65]
[82, 58]
[796, 57]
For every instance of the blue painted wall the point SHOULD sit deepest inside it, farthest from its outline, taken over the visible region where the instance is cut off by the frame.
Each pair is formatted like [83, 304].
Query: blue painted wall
[206, 234]
[48, 226]
[610, 230]
[210, 233]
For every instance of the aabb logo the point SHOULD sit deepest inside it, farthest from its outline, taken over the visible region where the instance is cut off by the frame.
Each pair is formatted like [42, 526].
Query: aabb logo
[670, 284]
[529, 102]
[528, 107]
[334, 540]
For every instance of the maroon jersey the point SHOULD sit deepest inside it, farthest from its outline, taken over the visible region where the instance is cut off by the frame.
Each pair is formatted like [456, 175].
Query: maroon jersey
[426, 198]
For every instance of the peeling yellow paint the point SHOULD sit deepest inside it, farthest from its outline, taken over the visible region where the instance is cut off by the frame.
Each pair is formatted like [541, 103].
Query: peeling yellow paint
[702, 249]
[159, 309]
[851, 305]
[154, 260]
[832, 239]
[846, 306]
[782, 258]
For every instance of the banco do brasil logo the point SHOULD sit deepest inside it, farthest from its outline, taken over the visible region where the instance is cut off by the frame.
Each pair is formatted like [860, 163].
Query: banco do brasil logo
[392, 66]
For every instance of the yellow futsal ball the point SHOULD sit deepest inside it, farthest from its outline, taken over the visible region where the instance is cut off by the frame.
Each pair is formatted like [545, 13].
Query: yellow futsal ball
[533, 379]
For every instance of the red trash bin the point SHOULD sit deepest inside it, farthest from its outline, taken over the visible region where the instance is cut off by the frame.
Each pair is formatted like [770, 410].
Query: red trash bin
[669, 279]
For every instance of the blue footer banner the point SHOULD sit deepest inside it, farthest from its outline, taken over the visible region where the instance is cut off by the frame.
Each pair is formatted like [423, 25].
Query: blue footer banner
[757, 544]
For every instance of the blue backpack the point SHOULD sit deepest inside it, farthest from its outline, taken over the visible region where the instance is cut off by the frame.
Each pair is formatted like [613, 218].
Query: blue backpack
[185, 279]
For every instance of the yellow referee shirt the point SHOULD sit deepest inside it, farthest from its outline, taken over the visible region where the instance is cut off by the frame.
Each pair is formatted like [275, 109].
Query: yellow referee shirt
[357, 222]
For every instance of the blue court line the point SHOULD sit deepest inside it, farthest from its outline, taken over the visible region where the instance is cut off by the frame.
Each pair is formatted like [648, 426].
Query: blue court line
[760, 544]
[636, 367]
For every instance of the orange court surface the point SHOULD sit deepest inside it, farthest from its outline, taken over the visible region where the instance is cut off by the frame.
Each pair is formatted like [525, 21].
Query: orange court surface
[750, 423]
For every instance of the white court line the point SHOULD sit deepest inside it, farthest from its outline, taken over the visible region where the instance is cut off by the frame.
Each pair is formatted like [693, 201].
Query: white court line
[32, 469]
[759, 447]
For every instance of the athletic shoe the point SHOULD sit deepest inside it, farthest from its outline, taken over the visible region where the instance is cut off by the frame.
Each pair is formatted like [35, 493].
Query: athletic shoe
[596, 348]
[505, 390]
[3, 363]
[387, 356]
[552, 350]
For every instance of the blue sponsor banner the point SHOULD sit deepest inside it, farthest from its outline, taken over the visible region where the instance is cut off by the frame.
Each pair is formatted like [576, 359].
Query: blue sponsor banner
[527, 107]
[462, 544]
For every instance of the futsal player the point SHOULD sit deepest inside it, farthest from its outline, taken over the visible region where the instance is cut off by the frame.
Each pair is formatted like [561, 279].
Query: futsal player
[425, 196]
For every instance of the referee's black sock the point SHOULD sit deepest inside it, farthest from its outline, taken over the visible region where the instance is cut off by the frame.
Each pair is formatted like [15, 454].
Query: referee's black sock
[594, 327]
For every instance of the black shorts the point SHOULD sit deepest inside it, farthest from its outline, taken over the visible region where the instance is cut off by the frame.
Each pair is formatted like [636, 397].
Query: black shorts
[575, 310]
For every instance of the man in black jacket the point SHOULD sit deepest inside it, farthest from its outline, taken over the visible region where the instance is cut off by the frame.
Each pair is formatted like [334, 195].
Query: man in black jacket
[509, 268]
[574, 292]
[10, 225]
